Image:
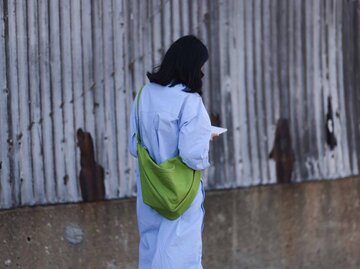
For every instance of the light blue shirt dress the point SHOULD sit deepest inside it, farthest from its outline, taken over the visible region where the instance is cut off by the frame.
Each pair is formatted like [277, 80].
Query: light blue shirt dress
[172, 122]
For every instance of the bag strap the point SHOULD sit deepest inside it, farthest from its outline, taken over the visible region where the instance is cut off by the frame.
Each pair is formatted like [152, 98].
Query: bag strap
[138, 120]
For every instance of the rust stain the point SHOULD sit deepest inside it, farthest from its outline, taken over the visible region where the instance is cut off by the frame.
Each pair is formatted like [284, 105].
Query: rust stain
[282, 152]
[91, 174]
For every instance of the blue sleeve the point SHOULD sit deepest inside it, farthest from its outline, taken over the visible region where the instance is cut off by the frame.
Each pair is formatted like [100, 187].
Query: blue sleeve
[133, 131]
[195, 133]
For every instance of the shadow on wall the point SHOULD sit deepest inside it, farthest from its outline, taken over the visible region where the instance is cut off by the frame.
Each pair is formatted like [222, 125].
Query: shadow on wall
[91, 173]
[282, 152]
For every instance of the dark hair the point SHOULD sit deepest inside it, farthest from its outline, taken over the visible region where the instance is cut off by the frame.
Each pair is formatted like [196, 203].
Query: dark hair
[182, 64]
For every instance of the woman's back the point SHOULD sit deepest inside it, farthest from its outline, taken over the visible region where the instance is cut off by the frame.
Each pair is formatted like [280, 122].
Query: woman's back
[172, 122]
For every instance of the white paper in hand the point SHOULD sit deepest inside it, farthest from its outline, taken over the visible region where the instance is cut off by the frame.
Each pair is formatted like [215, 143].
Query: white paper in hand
[217, 130]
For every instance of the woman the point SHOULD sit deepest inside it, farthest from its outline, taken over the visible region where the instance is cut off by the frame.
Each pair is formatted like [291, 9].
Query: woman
[173, 121]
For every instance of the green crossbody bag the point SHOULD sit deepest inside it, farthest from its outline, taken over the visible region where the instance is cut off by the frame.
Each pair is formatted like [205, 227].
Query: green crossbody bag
[169, 187]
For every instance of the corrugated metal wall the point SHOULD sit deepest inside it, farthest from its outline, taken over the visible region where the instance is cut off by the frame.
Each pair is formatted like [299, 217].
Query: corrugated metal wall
[69, 64]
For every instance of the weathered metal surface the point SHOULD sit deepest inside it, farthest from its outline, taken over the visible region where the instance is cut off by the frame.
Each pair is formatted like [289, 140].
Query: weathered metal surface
[66, 65]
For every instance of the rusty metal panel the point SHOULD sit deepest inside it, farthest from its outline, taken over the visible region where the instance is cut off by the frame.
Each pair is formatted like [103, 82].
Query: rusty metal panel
[66, 65]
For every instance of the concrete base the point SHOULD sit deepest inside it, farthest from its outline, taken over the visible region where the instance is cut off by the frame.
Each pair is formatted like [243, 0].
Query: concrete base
[309, 225]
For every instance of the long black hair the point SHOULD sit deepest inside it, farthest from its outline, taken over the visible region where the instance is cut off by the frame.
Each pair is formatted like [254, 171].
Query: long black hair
[182, 64]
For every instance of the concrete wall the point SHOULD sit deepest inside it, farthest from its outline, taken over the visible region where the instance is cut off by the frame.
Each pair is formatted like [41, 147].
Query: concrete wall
[305, 225]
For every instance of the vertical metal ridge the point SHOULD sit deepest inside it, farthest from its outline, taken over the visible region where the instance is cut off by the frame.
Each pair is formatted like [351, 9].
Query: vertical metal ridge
[77, 85]
[341, 114]
[57, 86]
[46, 103]
[260, 103]
[5, 131]
[294, 129]
[110, 138]
[35, 102]
[70, 179]
[14, 99]
[27, 192]
[268, 88]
